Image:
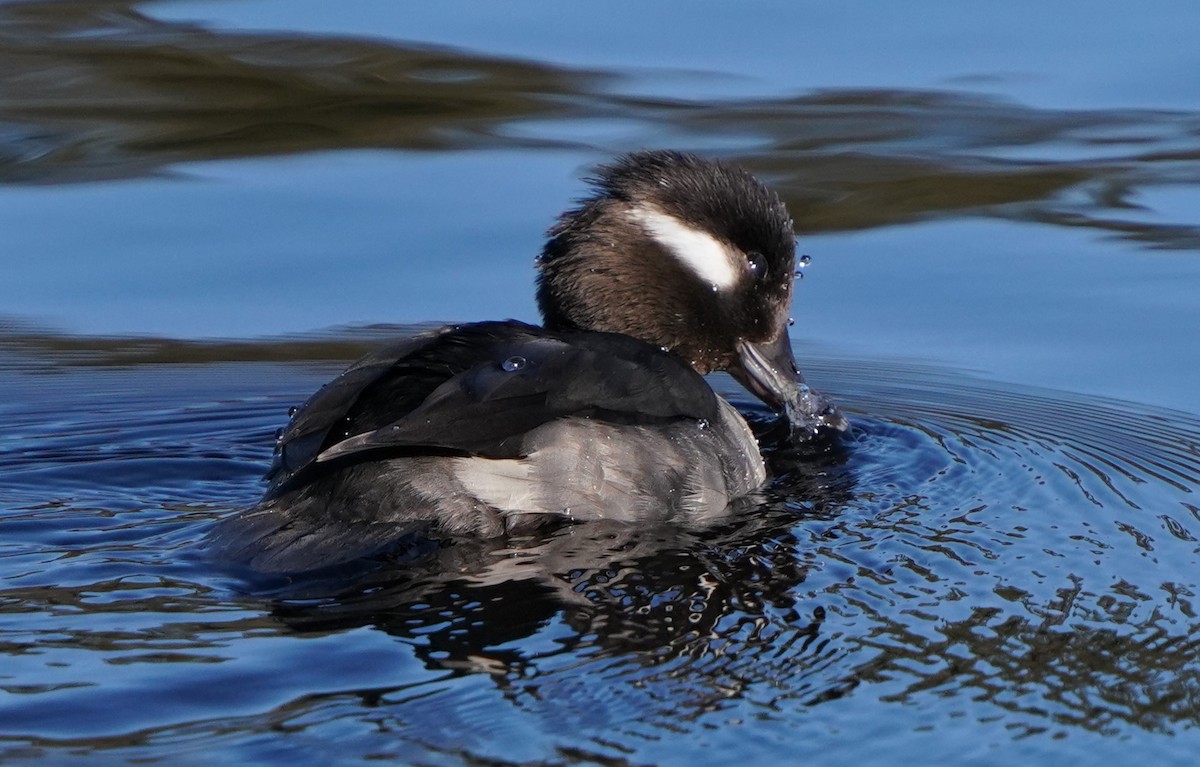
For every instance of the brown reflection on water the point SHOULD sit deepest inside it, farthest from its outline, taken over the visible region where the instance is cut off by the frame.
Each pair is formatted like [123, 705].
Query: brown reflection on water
[102, 91]
[29, 347]
[93, 90]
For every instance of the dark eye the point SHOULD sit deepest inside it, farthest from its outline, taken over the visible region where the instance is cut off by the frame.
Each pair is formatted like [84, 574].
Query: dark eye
[758, 265]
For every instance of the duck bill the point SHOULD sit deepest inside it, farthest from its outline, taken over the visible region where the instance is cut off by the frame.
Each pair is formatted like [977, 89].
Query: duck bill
[768, 371]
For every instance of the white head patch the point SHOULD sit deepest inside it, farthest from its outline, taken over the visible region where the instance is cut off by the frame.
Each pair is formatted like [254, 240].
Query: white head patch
[709, 259]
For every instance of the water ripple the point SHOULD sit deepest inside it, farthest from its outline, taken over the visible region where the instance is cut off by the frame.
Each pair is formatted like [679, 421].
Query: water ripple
[980, 550]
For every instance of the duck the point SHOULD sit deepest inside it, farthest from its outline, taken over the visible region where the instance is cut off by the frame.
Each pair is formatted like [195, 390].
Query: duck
[674, 266]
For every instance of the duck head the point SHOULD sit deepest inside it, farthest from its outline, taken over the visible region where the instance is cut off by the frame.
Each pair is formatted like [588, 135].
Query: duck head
[693, 255]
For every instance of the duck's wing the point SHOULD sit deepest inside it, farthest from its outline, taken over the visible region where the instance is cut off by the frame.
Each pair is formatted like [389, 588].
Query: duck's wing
[478, 389]
[328, 411]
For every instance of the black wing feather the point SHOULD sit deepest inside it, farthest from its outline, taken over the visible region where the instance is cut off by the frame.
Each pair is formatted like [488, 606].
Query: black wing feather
[478, 389]
[314, 426]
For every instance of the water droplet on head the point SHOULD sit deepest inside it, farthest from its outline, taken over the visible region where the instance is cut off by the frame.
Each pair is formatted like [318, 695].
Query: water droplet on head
[791, 321]
[513, 364]
[803, 261]
[702, 423]
[715, 287]
[395, 427]
[292, 411]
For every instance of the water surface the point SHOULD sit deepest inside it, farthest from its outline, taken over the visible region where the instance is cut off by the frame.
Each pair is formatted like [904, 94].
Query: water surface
[1001, 205]
[989, 568]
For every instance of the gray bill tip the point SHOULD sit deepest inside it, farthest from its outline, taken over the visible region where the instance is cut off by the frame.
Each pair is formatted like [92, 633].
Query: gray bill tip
[812, 414]
[768, 370]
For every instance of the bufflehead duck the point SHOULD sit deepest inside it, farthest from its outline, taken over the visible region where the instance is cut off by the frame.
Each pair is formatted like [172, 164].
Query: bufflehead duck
[674, 267]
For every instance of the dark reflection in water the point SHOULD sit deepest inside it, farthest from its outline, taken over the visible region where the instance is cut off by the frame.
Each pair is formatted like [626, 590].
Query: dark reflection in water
[987, 562]
[98, 90]
[102, 91]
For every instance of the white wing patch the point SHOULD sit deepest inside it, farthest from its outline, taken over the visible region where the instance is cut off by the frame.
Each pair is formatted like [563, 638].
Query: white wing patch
[707, 257]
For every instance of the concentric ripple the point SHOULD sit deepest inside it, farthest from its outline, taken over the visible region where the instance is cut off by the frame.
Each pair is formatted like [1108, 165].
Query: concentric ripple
[980, 558]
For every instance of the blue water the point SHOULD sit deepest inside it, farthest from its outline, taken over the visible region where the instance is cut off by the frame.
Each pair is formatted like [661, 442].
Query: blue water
[207, 209]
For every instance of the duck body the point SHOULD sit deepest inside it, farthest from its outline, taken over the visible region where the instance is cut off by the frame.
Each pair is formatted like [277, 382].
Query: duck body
[675, 267]
[489, 429]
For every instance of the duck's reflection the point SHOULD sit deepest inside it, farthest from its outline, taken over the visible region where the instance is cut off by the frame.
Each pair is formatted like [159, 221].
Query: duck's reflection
[661, 591]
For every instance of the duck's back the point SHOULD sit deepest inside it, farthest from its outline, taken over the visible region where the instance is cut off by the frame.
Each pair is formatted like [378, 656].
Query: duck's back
[487, 428]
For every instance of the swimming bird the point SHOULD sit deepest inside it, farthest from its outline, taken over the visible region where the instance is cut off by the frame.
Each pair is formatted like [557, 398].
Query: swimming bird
[675, 266]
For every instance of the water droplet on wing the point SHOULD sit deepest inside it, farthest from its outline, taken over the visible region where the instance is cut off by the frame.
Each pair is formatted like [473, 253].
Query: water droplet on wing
[513, 364]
